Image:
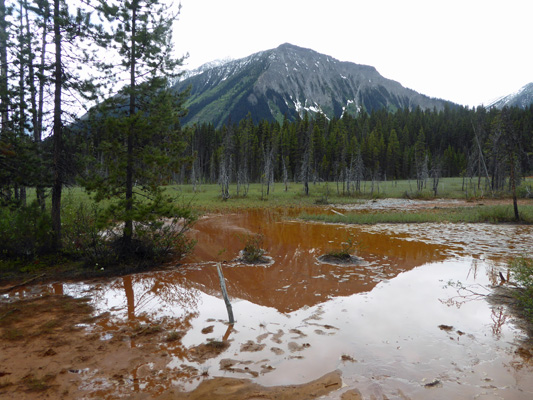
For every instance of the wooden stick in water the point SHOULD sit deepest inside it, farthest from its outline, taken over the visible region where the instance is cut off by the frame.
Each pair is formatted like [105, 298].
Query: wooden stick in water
[225, 294]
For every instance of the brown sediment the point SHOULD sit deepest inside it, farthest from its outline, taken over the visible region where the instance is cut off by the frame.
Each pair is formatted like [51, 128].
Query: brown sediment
[294, 248]
[238, 389]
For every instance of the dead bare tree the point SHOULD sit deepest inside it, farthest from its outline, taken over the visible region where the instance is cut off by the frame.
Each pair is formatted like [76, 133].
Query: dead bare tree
[358, 171]
[224, 178]
[226, 163]
[285, 174]
[477, 151]
[512, 149]
[305, 171]
[268, 170]
[436, 173]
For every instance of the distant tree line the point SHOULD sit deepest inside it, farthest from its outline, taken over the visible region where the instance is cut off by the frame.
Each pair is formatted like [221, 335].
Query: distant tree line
[491, 145]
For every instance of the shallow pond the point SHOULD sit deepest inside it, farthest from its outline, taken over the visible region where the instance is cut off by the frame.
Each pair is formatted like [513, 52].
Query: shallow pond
[411, 321]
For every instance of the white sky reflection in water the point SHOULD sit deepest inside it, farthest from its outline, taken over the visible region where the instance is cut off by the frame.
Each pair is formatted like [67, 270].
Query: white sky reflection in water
[392, 332]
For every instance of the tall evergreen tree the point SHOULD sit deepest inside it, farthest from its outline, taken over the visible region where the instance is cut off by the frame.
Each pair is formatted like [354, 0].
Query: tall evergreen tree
[145, 147]
[4, 95]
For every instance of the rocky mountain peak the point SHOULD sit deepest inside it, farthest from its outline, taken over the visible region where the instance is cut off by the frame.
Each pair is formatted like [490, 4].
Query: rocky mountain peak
[522, 98]
[289, 81]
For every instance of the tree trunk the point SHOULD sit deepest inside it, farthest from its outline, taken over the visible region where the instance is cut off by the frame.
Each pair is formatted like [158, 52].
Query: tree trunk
[513, 189]
[4, 97]
[57, 185]
[37, 113]
[128, 221]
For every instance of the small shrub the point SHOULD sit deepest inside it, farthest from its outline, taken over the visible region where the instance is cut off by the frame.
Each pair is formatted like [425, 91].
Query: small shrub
[525, 191]
[252, 252]
[92, 235]
[25, 232]
[522, 272]
[83, 236]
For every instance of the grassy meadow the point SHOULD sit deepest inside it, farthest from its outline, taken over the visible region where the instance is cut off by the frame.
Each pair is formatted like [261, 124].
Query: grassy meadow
[207, 198]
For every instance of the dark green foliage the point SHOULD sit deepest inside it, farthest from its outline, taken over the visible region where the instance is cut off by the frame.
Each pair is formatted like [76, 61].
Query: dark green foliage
[93, 235]
[347, 249]
[422, 146]
[25, 232]
[252, 252]
[522, 271]
[135, 140]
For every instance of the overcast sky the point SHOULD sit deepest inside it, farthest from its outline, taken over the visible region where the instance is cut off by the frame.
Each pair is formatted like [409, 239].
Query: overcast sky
[466, 51]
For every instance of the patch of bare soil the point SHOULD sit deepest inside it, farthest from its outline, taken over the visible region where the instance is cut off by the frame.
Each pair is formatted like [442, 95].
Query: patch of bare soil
[238, 389]
[41, 341]
[390, 204]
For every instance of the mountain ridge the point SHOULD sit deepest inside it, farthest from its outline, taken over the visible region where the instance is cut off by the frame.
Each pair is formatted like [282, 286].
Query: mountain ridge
[288, 81]
[522, 98]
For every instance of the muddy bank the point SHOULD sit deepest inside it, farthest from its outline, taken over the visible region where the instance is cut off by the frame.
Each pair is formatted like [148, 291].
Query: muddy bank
[238, 389]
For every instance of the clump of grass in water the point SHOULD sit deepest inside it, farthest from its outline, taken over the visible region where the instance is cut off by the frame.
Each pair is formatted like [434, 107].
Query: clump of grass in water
[347, 251]
[216, 344]
[253, 252]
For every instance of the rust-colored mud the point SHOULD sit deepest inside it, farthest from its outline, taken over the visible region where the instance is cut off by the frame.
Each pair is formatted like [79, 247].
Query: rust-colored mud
[411, 321]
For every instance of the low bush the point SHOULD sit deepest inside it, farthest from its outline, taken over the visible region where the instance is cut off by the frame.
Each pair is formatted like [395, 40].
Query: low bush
[252, 252]
[91, 235]
[522, 272]
[25, 232]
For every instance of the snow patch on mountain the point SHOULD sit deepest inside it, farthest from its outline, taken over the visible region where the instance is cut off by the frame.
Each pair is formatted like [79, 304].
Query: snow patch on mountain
[522, 98]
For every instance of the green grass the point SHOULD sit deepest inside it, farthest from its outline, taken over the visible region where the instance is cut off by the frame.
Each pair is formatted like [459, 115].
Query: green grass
[474, 214]
[522, 270]
[207, 197]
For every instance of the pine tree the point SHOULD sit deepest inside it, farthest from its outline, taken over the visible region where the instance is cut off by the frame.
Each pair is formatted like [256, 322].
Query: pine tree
[143, 135]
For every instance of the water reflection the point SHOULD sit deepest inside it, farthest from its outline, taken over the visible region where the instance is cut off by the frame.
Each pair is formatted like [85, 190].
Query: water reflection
[412, 314]
[296, 279]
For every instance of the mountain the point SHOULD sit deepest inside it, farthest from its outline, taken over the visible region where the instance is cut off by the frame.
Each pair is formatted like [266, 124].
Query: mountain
[522, 98]
[288, 81]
